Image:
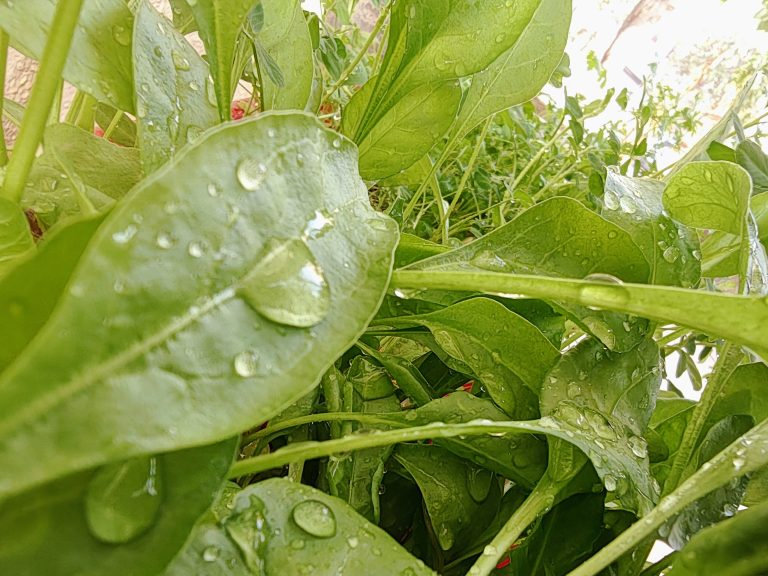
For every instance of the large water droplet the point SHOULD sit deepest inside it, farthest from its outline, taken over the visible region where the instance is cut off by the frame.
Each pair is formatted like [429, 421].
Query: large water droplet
[246, 364]
[123, 500]
[315, 518]
[671, 254]
[488, 260]
[286, 285]
[638, 446]
[479, 483]
[610, 482]
[251, 173]
[247, 527]
[179, 61]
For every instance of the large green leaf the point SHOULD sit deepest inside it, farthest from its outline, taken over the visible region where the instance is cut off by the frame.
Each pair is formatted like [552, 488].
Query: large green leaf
[735, 547]
[77, 172]
[133, 526]
[172, 102]
[459, 496]
[30, 291]
[208, 322]
[15, 235]
[559, 237]
[99, 60]
[671, 249]
[508, 354]
[220, 23]
[278, 527]
[285, 39]
[519, 73]
[751, 157]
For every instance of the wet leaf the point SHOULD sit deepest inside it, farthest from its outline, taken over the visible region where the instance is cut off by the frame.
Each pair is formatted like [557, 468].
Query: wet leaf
[15, 236]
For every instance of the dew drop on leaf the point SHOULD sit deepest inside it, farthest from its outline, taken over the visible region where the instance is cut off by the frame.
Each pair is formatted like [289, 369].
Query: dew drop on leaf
[671, 254]
[179, 61]
[196, 249]
[247, 527]
[638, 446]
[610, 482]
[211, 554]
[315, 518]
[286, 285]
[250, 173]
[246, 364]
[123, 499]
[164, 240]
[479, 483]
[121, 34]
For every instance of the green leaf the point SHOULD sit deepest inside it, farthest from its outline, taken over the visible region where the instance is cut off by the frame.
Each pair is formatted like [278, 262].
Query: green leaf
[77, 173]
[277, 526]
[520, 457]
[183, 17]
[735, 547]
[30, 291]
[751, 157]
[99, 60]
[408, 130]
[356, 477]
[671, 249]
[124, 132]
[710, 195]
[559, 237]
[220, 23]
[176, 316]
[460, 497]
[59, 528]
[172, 106]
[518, 74]
[15, 236]
[285, 39]
[670, 420]
[508, 354]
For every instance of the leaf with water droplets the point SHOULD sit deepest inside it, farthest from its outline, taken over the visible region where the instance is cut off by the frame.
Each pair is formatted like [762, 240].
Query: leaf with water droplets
[170, 89]
[165, 327]
[293, 526]
[668, 246]
[126, 518]
[460, 497]
[559, 237]
[99, 61]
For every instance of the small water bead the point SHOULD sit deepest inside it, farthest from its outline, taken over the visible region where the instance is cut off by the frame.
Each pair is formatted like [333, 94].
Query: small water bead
[211, 554]
[125, 236]
[122, 35]
[196, 249]
[315, 518]
[337, 143]
[246, 364]
[352, 542]
[251, 173]
[179, 61]
[123, 499]
[271, 132]
[638, 446]
[165, 241]
[247, 527]
[610, 482]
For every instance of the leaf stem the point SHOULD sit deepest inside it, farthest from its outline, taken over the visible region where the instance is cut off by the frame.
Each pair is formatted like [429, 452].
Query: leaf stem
[43, 94]
[315, 418]
[3, 64]
[363, 51]
[745, 455]
[537, 504]
[376, 438]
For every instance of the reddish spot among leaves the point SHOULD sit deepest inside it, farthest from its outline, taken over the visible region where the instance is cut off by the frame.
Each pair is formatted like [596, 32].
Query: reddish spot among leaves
[34, 224]
[237, 112]
[98, 131]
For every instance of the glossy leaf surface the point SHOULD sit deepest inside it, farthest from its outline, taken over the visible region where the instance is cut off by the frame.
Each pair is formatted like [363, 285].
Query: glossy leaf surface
[15, 235]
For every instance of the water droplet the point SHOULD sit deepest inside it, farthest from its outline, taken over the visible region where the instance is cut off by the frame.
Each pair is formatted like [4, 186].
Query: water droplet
[411, 415]
[638, 446]
[271, 132]
[490, 550]
[121, 34]
[500, 38]
[251, 173]
[246, 364]
[628, 205]
[123, 499]
[479, 483]
[574, 390]
[738, 463]
[315, 518]
[337, 143]
[210, 92]
[298, 543]
[179, 61]
[488, 260]
[211, 554]
[247, 527]
[610, 200]
[353, 542]
[600, 329]
[610, 482]
[287, 285]
[612, 234]
[671, 254]
[125, 236]
[164, 240]
[196, 249]
[708, 176]
[194, 86]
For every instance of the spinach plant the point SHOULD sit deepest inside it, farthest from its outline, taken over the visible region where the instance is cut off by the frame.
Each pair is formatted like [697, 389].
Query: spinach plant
[218, 357]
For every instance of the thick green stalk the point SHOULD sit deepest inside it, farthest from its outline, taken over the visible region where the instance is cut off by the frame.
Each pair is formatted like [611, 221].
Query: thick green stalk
[377, 438]
[710, 312]
[729, 359]
[3, 65]
[745, 455]
[43, 94]
[537, 504]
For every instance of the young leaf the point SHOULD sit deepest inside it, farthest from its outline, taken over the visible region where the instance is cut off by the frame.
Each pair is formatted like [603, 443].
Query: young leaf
[459, 497]
[172, 106]
[671, 249]
[285, 39]
[230, 311]
[78, 525]
[99, 61]
[735, 547]
[277, 526]
[220, 23]
[15, 237]
[751, 157]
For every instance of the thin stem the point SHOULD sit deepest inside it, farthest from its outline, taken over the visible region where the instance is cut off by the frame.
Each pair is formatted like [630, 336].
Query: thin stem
[3, 64]
[315, 418]
[729, 359]
[363, 51]
[468, 169]
[376, 438]
[745, 455]
[559, 131]
[113, 124]
[43, 94]
[537, 504]
[655, 569]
